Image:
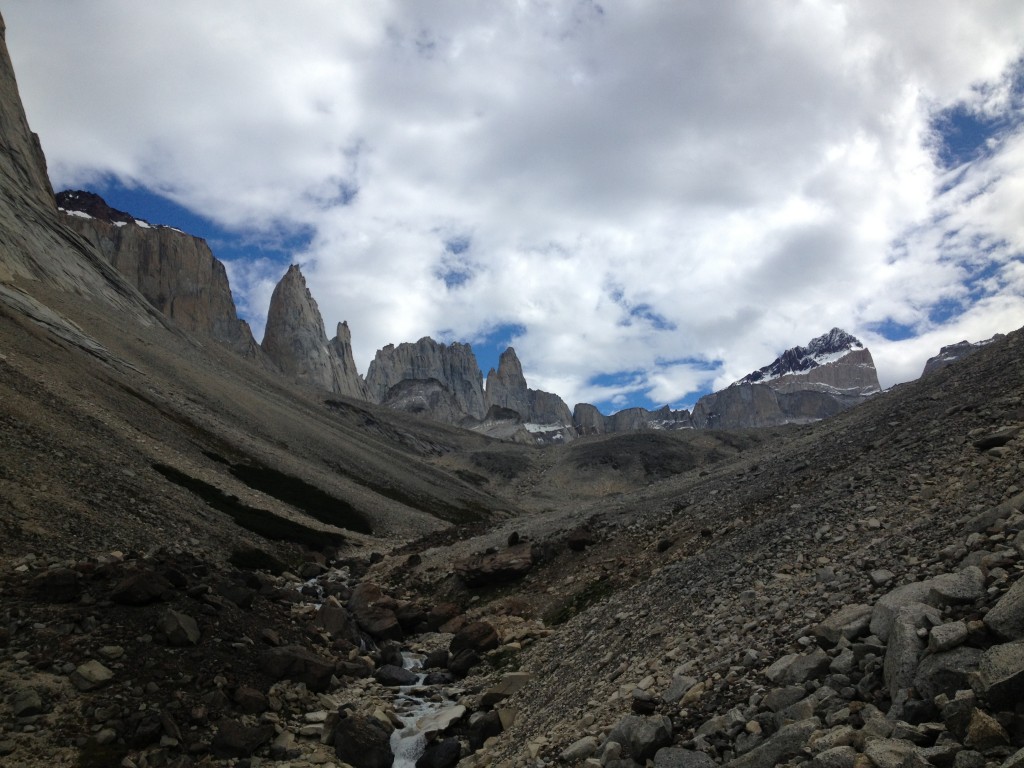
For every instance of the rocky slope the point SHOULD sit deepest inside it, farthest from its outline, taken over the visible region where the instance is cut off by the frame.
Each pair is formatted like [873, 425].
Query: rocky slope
[202, 566]
[296, 342]
[832, 373]
[176, 272]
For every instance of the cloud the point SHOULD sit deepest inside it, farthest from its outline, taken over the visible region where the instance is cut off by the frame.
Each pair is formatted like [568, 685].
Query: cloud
[629, 185]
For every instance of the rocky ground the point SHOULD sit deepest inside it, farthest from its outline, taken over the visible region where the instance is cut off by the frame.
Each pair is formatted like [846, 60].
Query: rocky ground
[840, 594]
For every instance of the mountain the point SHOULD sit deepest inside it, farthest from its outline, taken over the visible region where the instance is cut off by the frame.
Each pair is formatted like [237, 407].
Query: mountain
[952, 353]
[176, 272]
[295, 340]
[203, 564]
[832, 373]
[543, 414]
[590, 421]
[454, 366]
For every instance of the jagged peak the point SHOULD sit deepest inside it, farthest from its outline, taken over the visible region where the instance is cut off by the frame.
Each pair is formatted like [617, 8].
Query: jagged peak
[820, 350]
[89, 205]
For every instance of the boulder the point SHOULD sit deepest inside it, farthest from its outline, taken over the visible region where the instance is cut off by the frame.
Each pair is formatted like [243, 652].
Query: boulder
[850, 621]
[1006, 617]
[796, 668]
[91, 675]
[393, 676]
[1001, 674]
[363, 742]
[180, 629]
[440, 754]
[463, 661]
[787, 742]
[141, 588]
[641, 737]
[478, 636]
[946, 672]
[235, 739]
[293, 662]
[497, 567]
[58, 585]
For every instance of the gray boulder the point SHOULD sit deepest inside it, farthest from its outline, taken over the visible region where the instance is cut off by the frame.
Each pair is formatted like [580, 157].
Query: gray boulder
[850, 621]
[1006, 618]
[787, 742]
[946, 672]
[363, 742]
[641, 737]
[796, 668]
[1001, 674]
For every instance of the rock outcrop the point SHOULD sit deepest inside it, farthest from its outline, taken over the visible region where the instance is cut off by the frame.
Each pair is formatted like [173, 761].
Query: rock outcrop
[296, 342]
[506, 388]
[951, 353]
[590, 421]
[454, 366]
[804, 384]
[33, 244]
[177, 273]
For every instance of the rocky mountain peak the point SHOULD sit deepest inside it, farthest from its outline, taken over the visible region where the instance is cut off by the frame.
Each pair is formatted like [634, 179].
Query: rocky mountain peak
[296, 341]
[79, 201]
[819, 351]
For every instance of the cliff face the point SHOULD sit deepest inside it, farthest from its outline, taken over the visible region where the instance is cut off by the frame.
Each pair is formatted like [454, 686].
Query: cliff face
[952, 353]
[833, 372]
[296, 342]
[176, 272]
[453, 365]
[34, 246]
[590, 421]
[506, 388]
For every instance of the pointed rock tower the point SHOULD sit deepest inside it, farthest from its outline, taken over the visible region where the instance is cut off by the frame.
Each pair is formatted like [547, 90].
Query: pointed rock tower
[296, 341]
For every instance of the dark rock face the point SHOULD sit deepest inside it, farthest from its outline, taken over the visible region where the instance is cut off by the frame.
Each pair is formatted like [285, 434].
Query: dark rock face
[454, 366]
[952, 353]
[176, 272]
[296, 342]
[590, 421]
[496, 568]
[832, 373]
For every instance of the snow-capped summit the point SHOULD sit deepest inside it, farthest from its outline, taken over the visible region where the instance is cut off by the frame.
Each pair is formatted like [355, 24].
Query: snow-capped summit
[825, 349]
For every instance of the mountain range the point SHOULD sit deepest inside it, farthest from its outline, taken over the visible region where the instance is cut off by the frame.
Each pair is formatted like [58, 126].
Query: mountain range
[210, 558]
[179, 275]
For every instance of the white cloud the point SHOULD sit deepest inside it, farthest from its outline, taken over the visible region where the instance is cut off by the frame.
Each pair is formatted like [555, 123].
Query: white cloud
[635, 184]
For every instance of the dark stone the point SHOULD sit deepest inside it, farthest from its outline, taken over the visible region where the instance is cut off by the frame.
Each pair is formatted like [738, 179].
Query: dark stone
[462, 662]
[996, 439]
[141, 588]
[363, 742]
[440, 754]
[483, 725]
[496, 567]
[234, 739]
[250, 701]
[580, 539]
[346, 668]
[60, 585]
[380, 623]
[240, 595]
[641, 737]
[410, 616]
[336, 620]
[478, 636]
[439, 678]
[436, 659]
[513, 538]
[946, 672]
[294, 662]
[391, 675]
[441, 614]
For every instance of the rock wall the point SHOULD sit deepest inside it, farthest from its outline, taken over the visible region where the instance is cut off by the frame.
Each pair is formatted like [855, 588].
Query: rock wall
[34, 246]
[506, 388]
[296, 342]
[453, 365]
[177, 273]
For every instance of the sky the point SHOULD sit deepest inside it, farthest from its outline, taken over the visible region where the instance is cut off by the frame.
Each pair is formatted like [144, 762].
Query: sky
[648, 200]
